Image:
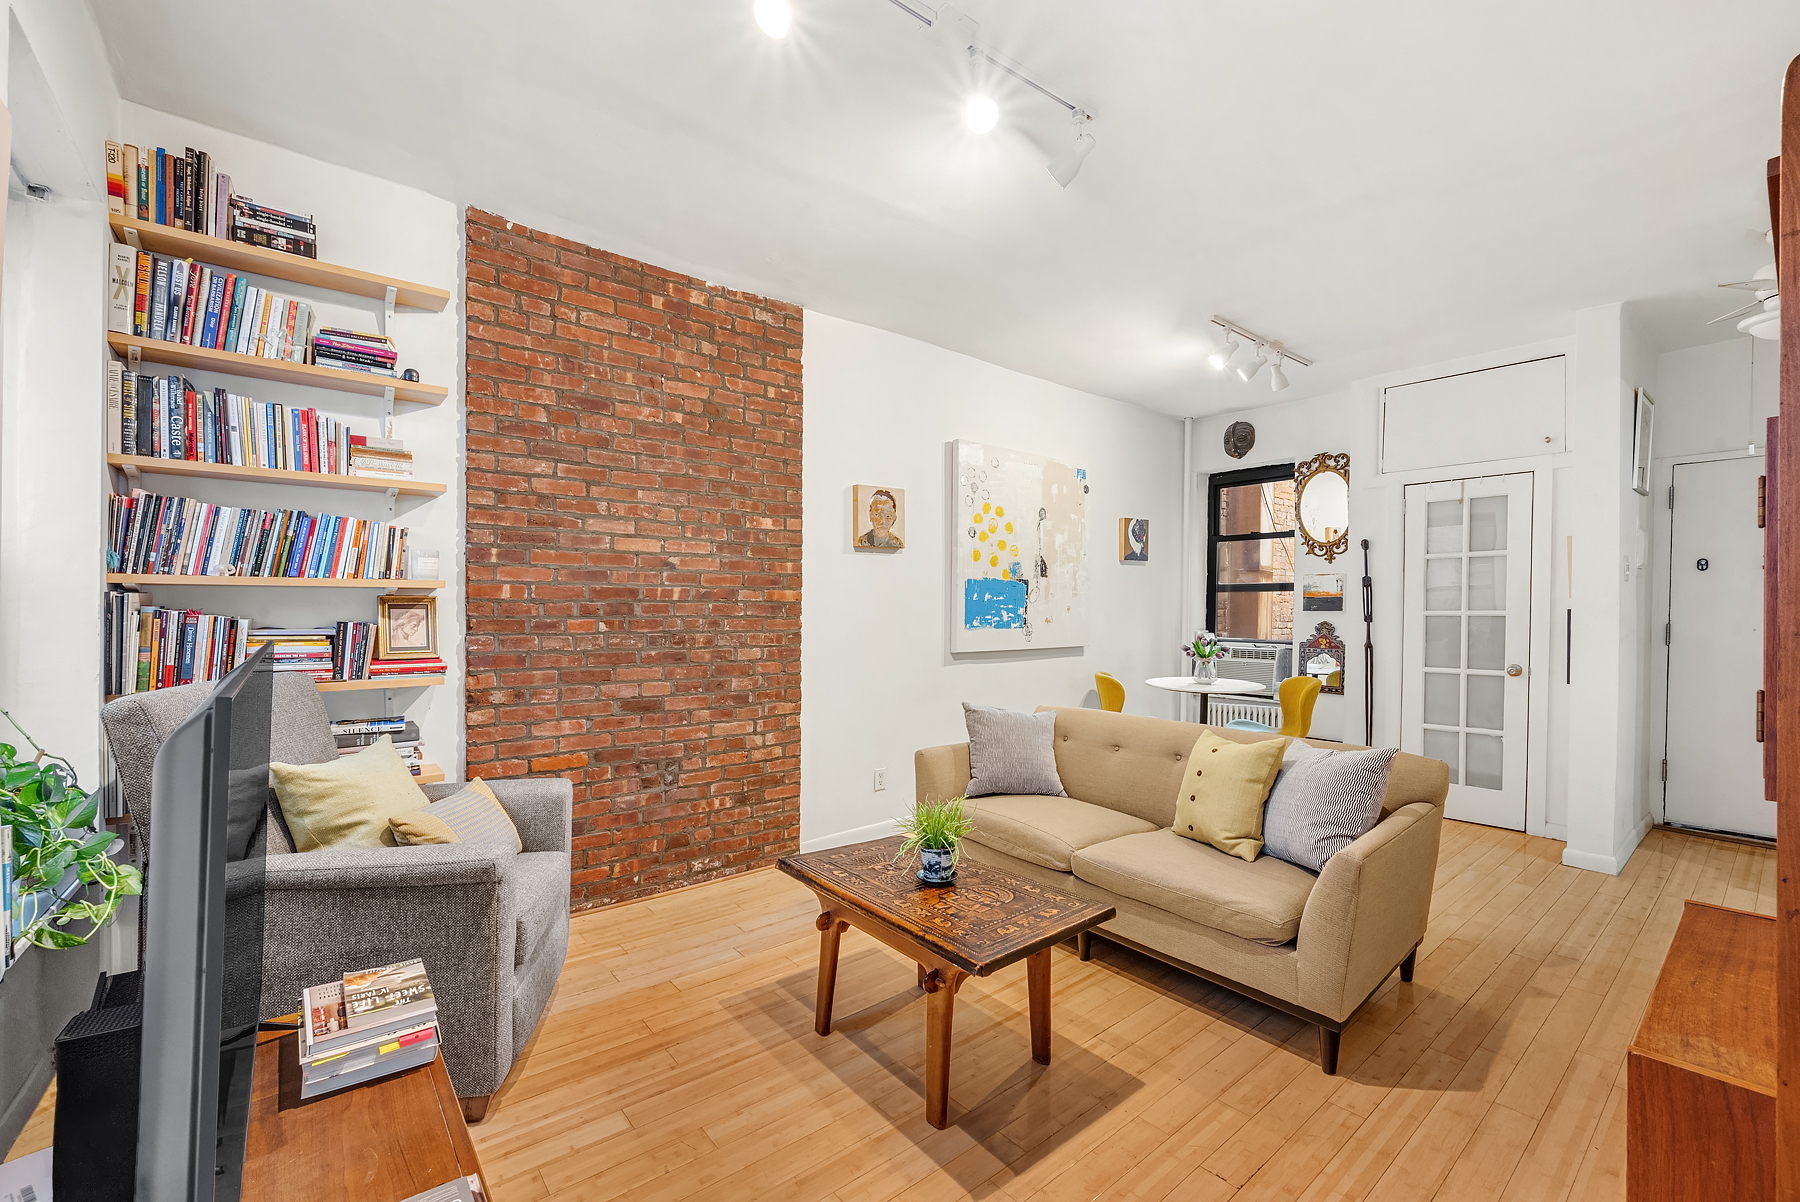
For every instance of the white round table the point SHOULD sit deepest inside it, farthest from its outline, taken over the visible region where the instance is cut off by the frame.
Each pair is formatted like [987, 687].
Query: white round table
[1205, 688]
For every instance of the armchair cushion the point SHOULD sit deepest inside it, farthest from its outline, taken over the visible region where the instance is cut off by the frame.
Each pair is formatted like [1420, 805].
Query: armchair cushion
[347, 802]
[470, 815]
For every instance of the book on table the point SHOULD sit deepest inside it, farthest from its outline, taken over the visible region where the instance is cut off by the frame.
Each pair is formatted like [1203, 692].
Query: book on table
[387, 994]
[401, 1033]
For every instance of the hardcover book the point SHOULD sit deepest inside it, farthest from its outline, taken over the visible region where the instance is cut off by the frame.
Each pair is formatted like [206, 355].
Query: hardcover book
[388, 993]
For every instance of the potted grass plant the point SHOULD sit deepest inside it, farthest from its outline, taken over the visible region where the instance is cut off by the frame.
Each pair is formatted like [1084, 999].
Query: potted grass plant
[932, 835]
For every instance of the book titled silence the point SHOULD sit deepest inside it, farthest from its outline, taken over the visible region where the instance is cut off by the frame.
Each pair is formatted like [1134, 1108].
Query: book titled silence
[381, 995]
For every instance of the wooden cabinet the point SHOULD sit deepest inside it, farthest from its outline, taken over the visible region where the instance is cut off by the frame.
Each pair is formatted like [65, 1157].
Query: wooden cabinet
[1700, 1097]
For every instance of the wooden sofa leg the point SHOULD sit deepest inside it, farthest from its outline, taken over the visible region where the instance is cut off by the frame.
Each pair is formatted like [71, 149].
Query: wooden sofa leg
[475, 1109]
[1328, 1050]
[1084, 945]
[1406, 965]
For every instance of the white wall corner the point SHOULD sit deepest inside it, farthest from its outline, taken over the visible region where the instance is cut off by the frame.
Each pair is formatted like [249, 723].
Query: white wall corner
[860, 834]
[1611, 864]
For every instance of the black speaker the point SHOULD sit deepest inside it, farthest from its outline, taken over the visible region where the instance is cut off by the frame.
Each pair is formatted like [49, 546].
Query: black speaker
[97, 1058]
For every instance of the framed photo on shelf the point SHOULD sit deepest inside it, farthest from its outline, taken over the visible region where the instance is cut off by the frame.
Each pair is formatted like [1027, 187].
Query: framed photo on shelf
[406, 626]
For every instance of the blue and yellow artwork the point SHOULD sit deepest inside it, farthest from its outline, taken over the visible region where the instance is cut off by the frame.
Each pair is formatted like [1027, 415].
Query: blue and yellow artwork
[1019, 529]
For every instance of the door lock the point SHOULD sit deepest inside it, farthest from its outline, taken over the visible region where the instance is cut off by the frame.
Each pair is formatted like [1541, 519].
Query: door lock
[1702, 564]
[1514, 670]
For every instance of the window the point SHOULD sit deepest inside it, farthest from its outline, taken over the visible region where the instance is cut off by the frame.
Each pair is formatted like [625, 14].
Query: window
[1250, 553]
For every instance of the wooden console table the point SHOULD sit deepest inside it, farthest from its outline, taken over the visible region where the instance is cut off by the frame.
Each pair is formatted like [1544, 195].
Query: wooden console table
[380, 1142]
[1700, 1094]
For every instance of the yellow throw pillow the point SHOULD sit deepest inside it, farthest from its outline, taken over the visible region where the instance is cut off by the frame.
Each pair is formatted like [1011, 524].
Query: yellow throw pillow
[472, 814]
[346, 803]
[1223, 789]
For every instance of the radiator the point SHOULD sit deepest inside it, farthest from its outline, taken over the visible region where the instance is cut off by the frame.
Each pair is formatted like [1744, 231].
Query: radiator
[1222, 708]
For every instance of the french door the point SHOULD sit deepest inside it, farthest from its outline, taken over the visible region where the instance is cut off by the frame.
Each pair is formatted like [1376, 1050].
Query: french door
[1466, 640]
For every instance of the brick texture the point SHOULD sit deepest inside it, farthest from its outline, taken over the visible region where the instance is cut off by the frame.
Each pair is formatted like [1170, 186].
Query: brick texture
[634, 555]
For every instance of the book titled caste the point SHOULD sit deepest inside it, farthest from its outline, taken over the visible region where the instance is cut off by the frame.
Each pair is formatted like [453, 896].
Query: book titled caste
[383, 995]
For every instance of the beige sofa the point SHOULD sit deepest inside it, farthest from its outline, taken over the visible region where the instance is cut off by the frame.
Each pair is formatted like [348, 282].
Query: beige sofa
[1316, 947]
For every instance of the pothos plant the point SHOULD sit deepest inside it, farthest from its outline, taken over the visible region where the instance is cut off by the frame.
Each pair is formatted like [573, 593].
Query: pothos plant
[52, 821]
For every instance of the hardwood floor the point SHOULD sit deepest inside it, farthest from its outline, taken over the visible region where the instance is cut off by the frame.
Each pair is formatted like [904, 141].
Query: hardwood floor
[678, 1059]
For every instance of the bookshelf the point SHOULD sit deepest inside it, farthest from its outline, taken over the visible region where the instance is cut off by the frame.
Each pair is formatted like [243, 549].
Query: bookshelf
[147, 579]
[346, 686]
[230, 363]
[150, 465]
[239, 256]
[429, 774]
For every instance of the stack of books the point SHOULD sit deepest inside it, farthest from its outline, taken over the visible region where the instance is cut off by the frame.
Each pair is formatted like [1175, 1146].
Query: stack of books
[355, 644]
[273, 229]
[367, 1026]
[179, 300]
[354, 735]
[400, 669]
[385, 458]
[309, 650]
[149, 647]
[353, 350]
[182, 190]
[151, 534]
[166, 417]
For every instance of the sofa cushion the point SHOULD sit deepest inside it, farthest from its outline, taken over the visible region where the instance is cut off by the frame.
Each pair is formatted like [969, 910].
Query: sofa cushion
[1323, 801]
[347, 802]
[1223, 787]
[1259, 899]
[1010, 752]
[540, 882]
[1047, 830]
[472, 814]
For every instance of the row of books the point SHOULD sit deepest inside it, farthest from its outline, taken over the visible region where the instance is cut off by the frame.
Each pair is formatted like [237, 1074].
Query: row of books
[179, 300]
[344, 651]
[187, 191]
[151, 647]
[153, 534]
[365, 1026]
[353, 350]
[166, 417]
[355, 734]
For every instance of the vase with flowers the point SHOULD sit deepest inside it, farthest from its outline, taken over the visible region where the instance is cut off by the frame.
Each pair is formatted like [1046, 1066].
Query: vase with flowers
[1204, 654]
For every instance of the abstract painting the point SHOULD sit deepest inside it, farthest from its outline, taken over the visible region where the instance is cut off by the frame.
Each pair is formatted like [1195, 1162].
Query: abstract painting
[877, 518]
[1134, 540]
[1322, 593]
[1018, 534]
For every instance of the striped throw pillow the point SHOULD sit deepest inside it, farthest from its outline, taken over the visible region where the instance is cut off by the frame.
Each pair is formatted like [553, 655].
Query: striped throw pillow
[470, 815]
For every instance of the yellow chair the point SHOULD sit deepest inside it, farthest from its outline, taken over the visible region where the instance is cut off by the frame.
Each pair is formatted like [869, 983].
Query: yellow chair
[1298, 695]
[1112, 693]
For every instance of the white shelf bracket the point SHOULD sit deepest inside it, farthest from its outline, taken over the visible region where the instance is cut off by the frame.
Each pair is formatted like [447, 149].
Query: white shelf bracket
[392, 494]
[387, 309]
[387, 411]
[131, 240]
[135, 357]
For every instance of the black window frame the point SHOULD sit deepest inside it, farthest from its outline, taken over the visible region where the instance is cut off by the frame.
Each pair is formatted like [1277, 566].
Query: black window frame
[1267, 474]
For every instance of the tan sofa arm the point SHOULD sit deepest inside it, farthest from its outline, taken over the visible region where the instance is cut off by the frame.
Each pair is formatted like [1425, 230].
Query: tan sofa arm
[941, 772]
[1368, 910]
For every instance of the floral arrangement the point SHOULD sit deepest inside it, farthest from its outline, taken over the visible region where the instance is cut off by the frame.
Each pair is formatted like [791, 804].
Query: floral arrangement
[1206, 646]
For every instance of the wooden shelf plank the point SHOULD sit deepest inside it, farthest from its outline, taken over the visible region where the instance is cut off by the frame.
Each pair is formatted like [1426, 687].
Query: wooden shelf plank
[405, 682]
[199, 358]
[132, 465]
[239, 256]
[147, 579]
[429, 774]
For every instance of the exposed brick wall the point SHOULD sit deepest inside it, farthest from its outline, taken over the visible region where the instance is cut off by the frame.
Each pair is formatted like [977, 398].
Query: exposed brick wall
[634, 555]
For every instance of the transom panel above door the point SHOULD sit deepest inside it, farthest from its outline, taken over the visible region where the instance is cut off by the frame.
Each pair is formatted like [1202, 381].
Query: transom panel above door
[1466, 640]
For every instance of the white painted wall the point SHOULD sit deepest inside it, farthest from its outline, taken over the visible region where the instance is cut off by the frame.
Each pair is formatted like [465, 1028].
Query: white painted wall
[877, 676]
[388, 229]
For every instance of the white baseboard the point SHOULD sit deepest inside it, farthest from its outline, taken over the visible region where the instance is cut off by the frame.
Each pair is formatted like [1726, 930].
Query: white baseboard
[1614, 864]
[861, 834]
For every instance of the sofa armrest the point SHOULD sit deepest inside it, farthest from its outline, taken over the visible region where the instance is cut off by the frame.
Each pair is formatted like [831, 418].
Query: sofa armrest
[1368, 910]
[941, 772]
[540, 806]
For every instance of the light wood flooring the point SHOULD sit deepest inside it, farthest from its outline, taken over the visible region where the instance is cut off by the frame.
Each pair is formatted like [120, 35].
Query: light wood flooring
[678, 1059]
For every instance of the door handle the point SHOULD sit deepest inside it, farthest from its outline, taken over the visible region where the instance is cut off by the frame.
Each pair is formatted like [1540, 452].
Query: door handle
[1514, 670]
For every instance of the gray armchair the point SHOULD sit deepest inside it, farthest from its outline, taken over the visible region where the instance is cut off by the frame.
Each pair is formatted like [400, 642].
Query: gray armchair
[491, 924]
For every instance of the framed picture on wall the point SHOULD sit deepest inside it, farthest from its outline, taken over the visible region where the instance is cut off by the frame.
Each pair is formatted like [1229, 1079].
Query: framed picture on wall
[406, 626]
[1643, 427]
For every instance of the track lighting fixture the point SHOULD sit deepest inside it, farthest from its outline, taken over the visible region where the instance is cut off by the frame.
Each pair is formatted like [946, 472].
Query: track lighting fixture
[1228, 346]
[772, 17]
[1067, 165]
[1247, 371]
[1277, 378]
[980, 114]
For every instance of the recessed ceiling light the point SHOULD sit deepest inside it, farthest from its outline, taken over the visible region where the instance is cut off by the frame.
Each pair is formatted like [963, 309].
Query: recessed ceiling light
[981, 114]
[772, 17]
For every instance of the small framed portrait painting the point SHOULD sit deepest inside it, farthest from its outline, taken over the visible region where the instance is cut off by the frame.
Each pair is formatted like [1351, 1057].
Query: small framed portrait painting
[878, 518]
[1134, 540]
[406, 627]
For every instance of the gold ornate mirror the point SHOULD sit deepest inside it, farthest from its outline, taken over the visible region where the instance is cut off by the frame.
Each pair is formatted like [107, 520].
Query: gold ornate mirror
[1322, 504]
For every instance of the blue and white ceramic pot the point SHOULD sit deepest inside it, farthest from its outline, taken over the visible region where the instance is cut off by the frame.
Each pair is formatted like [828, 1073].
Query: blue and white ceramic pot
[937, 865]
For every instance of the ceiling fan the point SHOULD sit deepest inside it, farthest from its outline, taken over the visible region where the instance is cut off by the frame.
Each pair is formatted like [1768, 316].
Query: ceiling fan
[1761, 318]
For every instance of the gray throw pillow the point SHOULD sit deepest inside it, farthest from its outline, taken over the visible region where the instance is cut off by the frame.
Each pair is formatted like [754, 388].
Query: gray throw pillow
[1323, 801]
[1011, 752]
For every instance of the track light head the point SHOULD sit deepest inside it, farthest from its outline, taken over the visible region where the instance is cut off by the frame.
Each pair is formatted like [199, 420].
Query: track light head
[1067, 165]
[1277, 378]
[1247, 371]
[980, 114]
[1228, 346]
[772, 17]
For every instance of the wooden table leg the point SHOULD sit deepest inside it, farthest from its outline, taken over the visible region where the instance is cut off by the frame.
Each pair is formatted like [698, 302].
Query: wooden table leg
[940, 1003]
[1037, 970]
[922, 975]
[829, 933]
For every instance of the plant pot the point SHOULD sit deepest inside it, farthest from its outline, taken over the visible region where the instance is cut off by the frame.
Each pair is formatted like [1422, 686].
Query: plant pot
[1206, 671]
[937, 865]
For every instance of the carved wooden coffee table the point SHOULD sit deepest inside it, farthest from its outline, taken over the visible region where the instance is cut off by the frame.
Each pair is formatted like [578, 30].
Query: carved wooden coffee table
[987, 920]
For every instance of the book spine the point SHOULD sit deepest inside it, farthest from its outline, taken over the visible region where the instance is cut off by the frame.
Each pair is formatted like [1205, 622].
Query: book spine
[193, 187]
[128, 420]
[140, 301]
[159, 306]
[178, 274]
[161, 214]
[193, 305]
[176, 407]
[146, 201]
[121, 288]
[215, 299]
[115, 407]
[131, 180]
[115, 178]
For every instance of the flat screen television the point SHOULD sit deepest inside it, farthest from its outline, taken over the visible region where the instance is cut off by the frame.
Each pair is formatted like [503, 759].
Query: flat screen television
[203, 917]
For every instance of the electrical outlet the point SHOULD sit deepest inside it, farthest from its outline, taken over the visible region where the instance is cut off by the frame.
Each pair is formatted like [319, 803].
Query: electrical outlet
[880, 779]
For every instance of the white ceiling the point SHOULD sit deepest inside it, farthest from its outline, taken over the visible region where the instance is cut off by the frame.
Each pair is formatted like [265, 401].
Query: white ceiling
[1379, 185]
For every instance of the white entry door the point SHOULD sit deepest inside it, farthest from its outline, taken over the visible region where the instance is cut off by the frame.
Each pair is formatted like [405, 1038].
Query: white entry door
[1466, 640]
[1715, 650]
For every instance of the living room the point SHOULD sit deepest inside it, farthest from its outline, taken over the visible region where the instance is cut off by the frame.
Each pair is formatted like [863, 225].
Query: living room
[1268, 519]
